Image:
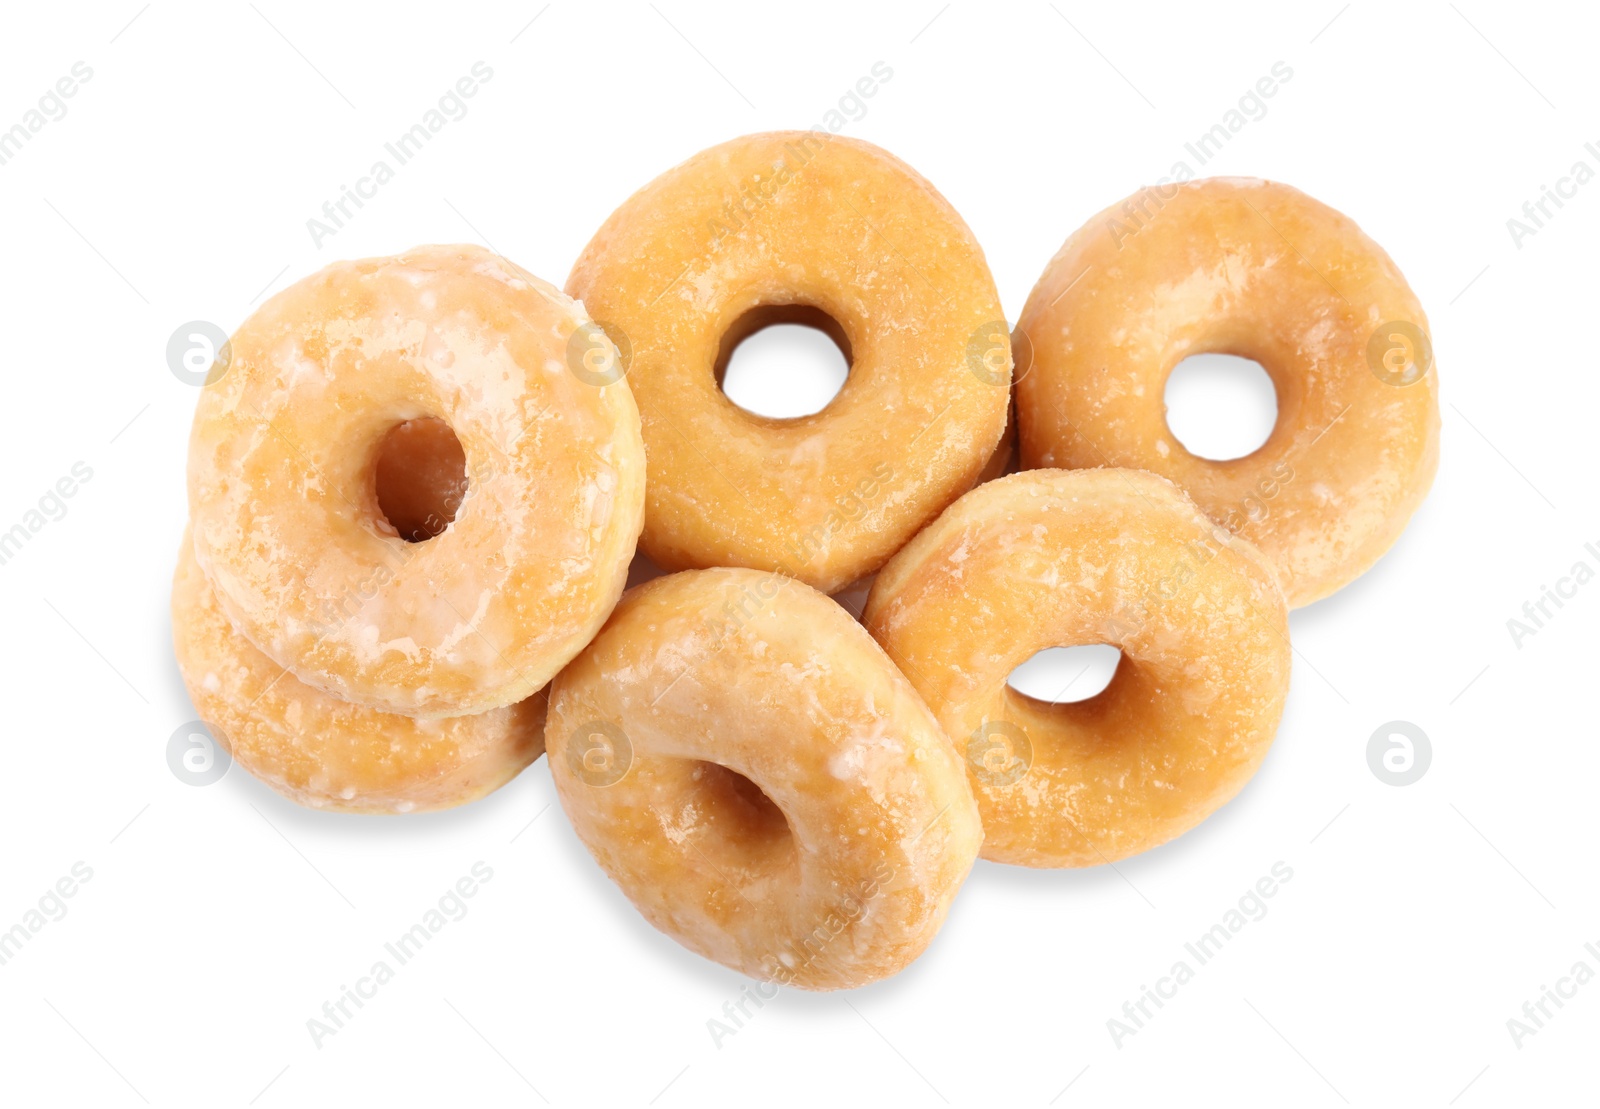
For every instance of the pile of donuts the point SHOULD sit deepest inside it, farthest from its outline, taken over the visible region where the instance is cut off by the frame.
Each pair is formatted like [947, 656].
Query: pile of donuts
[417, 485]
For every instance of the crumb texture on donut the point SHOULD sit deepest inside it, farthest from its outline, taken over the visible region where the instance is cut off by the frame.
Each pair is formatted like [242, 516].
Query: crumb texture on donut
[1259, 270]
[1052, 558]
[758, 778]
[829, 223]
[326, 753]
[282, 477]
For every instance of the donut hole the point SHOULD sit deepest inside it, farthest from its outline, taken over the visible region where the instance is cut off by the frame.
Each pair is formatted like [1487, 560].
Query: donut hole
[1220, 406]
[1067, 675]
[747, 824]
[783, 361]
[420, 478]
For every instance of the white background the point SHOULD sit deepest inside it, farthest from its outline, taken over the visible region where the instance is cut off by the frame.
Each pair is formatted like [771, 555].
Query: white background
[219, 920]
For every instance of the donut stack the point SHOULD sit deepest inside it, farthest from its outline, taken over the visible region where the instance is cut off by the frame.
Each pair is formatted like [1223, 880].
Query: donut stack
[417, 483]
[347, 662]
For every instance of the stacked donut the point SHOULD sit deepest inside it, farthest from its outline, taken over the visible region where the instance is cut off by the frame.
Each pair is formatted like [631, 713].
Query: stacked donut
[416, 487]
[340, 661]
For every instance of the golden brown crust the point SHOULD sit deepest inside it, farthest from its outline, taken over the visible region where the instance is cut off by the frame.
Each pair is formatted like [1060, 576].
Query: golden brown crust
[326, 753]
[287, 526]
[707, 681]
[842, 226]
[1260, 270]
[1051, 558]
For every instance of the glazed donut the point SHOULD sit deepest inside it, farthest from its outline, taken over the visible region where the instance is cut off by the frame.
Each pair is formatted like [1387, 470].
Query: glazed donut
[1050, 558]
[326, 753]
[757, 777]
[756, 230]
[287, 523]
[1259, 270]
